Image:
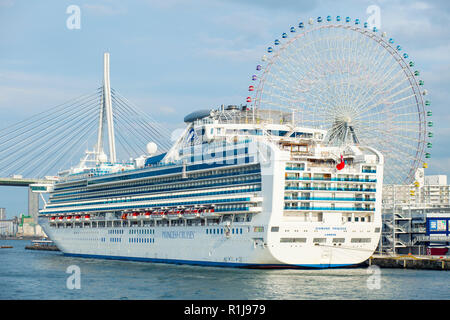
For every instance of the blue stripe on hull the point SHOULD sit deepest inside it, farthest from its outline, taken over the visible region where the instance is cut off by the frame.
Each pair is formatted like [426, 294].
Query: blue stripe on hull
[211, 263]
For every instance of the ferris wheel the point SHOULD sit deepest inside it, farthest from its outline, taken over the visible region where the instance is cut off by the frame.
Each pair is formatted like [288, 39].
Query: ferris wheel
[340, 75]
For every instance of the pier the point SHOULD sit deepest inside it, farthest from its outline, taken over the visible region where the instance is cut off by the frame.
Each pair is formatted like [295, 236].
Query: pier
[410, 262]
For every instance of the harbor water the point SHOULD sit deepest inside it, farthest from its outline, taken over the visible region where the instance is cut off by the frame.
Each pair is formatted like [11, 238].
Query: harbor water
[34, 274]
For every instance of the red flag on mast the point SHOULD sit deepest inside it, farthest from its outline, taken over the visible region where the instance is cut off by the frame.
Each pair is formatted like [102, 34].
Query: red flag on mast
[341, 165]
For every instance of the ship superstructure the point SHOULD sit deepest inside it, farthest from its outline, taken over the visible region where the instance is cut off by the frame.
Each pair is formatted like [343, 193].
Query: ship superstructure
[240, 187]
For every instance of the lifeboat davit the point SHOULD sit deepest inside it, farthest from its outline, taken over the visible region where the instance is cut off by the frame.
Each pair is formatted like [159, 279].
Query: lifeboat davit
[158, 215]
[173, 213]
[191, 213]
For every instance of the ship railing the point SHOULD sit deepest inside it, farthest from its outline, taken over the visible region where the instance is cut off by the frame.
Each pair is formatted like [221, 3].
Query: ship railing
[329, 208]
[328, 199]
[349, 167]
[189, 211]
[295, 168]
[329, 189]
[331, 179]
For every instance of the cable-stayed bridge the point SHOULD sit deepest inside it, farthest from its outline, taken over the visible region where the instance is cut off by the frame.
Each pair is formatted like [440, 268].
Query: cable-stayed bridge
[34, 150]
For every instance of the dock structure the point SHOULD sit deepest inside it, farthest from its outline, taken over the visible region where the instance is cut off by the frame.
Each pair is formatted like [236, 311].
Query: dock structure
[410, 262]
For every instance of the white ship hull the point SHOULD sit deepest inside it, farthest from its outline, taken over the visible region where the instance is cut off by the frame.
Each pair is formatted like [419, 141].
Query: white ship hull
[191, 245]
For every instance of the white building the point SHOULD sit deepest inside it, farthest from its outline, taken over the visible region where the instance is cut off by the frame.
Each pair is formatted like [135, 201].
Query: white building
[426, 190]
[8, 228]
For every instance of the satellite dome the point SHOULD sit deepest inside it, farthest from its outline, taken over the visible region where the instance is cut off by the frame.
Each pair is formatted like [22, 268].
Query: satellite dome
[102, 157]
[151, 148]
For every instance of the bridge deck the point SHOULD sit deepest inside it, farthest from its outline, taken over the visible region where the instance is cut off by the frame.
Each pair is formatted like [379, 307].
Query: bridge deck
[23, 182]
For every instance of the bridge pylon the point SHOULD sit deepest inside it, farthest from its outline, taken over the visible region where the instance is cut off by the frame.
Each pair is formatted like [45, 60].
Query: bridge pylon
[33, 204]
[106, 115]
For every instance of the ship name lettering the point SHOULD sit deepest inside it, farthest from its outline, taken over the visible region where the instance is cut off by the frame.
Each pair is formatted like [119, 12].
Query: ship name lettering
[178, 234]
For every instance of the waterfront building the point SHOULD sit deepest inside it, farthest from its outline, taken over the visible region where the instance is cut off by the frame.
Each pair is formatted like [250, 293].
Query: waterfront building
[8, 228]
[415, 217]
[26, 227]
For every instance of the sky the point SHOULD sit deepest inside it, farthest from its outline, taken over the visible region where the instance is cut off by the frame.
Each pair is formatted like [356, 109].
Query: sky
[171, 57]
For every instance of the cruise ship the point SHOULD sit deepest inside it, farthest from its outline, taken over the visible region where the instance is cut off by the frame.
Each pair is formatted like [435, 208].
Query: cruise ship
[239, 188]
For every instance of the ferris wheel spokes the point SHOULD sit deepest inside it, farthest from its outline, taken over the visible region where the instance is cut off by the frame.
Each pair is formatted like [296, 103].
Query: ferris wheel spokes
[353, 82]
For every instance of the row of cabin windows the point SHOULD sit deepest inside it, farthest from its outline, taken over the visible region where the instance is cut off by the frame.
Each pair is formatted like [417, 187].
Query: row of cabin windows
[221, 231]
[141, 240]
[115, 231]
[246, 188]
[118, 200]
[141, 231]
[176, 178]
[324, 240]
[186, 203]
[204, 183]
[194, 154]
